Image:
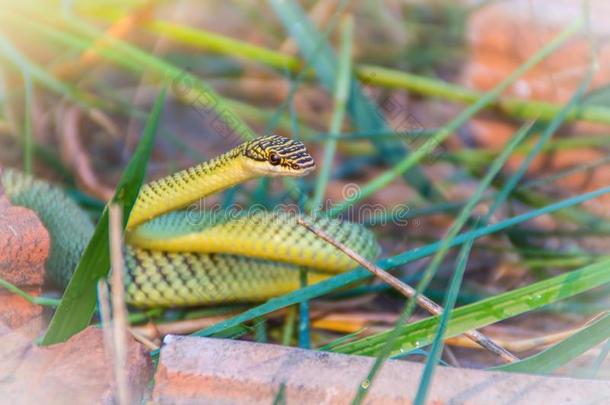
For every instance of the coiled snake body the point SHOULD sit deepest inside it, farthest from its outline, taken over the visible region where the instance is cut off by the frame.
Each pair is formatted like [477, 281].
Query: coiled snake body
[173, 258]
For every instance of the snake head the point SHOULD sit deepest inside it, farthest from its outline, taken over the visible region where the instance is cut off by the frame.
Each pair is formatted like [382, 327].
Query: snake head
[275, 155]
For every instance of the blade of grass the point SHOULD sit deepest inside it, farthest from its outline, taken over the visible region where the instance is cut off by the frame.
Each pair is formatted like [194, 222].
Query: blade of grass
[488, 311]
[43, 301]
[428, 147]
[561, 174]
[40, 75]
[511, 106]
[437, 345]
[128, 56]
[373, 75]
[342, 339]
[500, 198]
[359, 274]
[603, 354]
[225, 45]
[341, 95]
[553, 126]
[288, 328]
[363, 112]
[304, 323]
[568, 349]
[439, 257]
[28, 142]
[78, 302]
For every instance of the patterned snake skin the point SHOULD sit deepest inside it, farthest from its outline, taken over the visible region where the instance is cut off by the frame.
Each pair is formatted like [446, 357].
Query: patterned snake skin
[175, 259]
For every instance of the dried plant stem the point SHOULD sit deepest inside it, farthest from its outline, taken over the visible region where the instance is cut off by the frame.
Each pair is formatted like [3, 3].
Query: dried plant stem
[148, 343]
[104, 307]
[75, 154]
[119, 310]
[409, 292]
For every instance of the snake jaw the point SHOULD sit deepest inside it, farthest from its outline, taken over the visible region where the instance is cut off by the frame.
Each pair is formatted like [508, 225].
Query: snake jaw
[268, 170]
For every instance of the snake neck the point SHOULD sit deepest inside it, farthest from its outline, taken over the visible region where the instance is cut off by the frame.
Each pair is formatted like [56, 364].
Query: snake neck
[190, 185]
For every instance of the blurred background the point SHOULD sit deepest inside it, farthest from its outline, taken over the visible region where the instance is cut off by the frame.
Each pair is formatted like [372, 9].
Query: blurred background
[78, 79]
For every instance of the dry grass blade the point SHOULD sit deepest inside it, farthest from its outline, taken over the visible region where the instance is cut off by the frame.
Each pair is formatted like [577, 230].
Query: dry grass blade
[76, 156]
[409, 292]
[119, 309]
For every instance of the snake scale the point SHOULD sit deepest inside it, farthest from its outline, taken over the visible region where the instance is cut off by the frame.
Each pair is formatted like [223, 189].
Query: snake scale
[174, 258]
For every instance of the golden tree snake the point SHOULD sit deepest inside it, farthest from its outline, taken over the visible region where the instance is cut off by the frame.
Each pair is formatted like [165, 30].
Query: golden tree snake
[174, 258]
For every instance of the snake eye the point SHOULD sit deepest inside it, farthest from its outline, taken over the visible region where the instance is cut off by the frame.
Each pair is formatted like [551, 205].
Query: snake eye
[274, 159]
[295, 166]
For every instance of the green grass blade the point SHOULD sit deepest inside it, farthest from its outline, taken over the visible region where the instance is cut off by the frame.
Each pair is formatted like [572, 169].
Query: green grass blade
[599, 361]
[359, 274]
[488, 311]
[437, 345]
[379, 76]
[36, 300]
[78, 302]
[341, 340]
[568, 349]
[512, 106]
[341, 95]
[440, 254]
[304, 321]
[432, 143]
[362, 111]
[40, 75]
[553, 126]
[185, 85]
[224, 45]
[374, 75]
[500, 198]
[28, 141]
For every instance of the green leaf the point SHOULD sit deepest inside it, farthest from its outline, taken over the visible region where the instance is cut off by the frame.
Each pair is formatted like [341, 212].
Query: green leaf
[568, 349]
[363, 112]
[184, 85]
[407, 163]
[359, 274]
[341, 93]
[433, 266]
[598, 97]
[488, 311]
[78, 302]
[437, 345]
[40, 75]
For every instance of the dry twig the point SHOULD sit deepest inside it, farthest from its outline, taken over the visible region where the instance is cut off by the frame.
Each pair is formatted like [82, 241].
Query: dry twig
[409, 292]
[119, 309]
[76, 156]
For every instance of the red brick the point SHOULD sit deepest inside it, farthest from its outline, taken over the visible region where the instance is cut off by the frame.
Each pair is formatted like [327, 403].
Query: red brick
[75, 372]
[505, 34]
[16, 311]
[24, 246]
[216, 371]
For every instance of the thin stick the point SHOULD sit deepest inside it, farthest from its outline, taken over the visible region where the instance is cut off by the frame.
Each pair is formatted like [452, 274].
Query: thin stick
[104, 308]
[409, 292]
[119, 310]
[150, 345]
